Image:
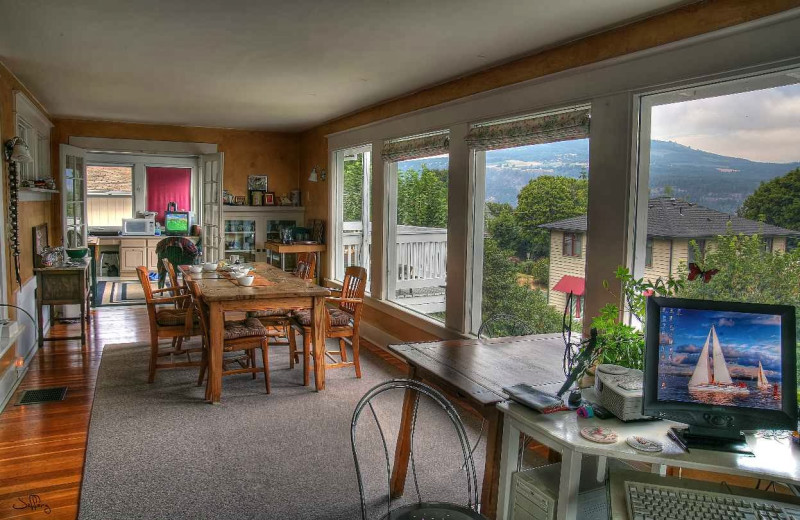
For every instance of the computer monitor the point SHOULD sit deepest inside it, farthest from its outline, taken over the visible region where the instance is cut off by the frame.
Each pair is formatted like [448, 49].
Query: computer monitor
[176, 222]
[720, 367]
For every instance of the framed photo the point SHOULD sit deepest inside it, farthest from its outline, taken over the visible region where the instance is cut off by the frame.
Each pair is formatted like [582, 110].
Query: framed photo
[40, 243]
[257, 197]
[257, 182]
[269, 198]
[239, 200]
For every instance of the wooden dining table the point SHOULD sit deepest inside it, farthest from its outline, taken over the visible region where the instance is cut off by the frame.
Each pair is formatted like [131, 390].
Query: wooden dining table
[284, 291]
[474, 372]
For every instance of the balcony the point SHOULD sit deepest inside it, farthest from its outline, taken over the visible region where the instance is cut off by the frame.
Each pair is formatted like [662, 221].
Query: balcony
[420, 259]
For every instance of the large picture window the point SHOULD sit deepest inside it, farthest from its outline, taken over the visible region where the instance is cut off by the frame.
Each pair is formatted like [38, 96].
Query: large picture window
[353, 223]
[530, 227]
[417, 239]
[109, 190]
[722, 170]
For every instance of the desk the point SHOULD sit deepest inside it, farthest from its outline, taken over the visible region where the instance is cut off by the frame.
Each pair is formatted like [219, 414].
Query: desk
[288, 292]
[63, 285]
[284, 249]
[774, 460]
[475, 371]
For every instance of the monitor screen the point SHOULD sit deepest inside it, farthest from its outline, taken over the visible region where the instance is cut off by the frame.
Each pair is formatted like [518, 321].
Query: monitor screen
[721, 358]
[176, 222]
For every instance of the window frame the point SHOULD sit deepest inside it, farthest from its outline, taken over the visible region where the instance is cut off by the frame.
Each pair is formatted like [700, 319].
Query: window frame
[90, 195]
[648, 256]
[575, 238]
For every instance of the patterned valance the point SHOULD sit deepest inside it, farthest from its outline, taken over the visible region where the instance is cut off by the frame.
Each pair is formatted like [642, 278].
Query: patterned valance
[416, 147]
[533, 130]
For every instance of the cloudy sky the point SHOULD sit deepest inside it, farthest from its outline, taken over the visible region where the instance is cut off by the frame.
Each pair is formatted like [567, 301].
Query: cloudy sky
[762, 125]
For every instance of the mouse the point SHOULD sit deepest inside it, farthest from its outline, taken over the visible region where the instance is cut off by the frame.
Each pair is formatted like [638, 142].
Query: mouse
[574, 398]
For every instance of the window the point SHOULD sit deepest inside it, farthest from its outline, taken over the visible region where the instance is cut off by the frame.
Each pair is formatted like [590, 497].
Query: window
[571, 245]
[353, 222]
[109, 190]
[34, 128]
[719, 161]
[417, 239]
[648, 256]
[531, 199]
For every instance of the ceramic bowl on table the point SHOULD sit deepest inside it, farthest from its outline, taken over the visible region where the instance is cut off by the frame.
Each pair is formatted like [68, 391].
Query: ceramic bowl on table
[195, 268]
[77, 252]
[209, 266]
[247, 280]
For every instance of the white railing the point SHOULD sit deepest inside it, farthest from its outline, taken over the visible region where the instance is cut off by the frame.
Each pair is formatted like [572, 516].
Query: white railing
[421, 254]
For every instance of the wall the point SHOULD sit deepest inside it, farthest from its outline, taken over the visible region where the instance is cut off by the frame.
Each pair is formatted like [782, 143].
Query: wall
[682, 23]
[246, 152]
[561, 266]
[662, 260]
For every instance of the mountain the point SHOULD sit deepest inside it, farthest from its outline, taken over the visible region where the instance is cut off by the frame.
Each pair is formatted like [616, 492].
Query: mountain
[709, 179]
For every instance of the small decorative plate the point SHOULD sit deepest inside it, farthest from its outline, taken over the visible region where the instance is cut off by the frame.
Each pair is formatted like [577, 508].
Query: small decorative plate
[599, 434]
[644, 444]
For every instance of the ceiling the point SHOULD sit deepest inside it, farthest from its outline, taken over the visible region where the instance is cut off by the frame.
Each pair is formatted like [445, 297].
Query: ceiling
[273, 65]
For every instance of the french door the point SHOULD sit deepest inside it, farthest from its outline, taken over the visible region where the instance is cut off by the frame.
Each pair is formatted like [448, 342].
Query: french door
[211, 168]
[73, 195]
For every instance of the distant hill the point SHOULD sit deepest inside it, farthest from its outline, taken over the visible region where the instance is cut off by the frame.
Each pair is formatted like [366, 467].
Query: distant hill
[712, 180]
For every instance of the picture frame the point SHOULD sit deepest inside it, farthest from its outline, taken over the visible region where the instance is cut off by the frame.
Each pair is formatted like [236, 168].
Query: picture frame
[269, 198]
[257, 182]
[239, 200]
[40, 241]
[257, 197]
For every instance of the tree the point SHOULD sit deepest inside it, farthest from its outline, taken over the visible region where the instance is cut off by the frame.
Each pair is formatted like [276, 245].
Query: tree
[422, 197]
[548, 199]
[503, 295]
[776, 202]
[353, 189]
[503, 227]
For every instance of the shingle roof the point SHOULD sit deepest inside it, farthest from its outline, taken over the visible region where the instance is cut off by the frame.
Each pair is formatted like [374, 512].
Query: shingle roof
[675, 218]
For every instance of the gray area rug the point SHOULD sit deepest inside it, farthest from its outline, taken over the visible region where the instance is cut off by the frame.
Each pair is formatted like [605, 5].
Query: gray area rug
[160, 451]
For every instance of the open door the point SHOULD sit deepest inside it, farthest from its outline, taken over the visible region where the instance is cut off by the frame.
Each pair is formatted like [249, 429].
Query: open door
[211, 168]
[73, 195]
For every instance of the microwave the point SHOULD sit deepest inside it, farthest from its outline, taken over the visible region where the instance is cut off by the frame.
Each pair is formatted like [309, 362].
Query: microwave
[138, 226]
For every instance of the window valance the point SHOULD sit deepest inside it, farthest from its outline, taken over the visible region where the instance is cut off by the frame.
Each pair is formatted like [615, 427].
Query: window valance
[533, 130]
[416, 147]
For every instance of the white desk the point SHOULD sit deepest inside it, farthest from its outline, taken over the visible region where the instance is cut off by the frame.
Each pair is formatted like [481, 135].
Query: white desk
[773, 460]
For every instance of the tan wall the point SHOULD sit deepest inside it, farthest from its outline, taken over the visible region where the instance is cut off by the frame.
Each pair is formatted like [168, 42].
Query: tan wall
[561, 265]
[246, 152]
[662, 251]
[779, 244]
[680, 254]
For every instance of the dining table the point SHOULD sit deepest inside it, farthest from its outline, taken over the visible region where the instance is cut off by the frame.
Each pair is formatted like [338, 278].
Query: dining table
[474, 372]
[272, 289]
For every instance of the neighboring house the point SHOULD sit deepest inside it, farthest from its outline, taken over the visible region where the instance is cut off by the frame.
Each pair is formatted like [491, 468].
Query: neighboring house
[671, 224]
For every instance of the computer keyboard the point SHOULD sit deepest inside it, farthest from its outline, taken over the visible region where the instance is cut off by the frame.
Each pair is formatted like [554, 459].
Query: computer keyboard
[654, 502]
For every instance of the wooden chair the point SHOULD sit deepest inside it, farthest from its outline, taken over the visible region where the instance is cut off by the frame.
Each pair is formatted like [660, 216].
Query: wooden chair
[243, 335]
[173, 279]
[343, 322]
[175, 322]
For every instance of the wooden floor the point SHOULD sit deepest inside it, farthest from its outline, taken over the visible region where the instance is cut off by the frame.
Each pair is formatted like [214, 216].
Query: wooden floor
[42, 447]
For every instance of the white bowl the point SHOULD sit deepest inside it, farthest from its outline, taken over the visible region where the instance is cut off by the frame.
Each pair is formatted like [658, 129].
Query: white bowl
[247, 280]
[209, 266]
[195, 268]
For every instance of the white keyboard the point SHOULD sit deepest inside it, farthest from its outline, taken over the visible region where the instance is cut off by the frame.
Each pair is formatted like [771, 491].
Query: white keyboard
[654, 502]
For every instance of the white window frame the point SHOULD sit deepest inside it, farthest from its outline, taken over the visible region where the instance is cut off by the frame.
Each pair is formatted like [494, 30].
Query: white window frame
[337, 208]
[34, 128]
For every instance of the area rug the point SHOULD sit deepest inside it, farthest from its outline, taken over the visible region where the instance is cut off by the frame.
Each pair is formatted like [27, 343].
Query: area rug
[124, 292]
[159, 451]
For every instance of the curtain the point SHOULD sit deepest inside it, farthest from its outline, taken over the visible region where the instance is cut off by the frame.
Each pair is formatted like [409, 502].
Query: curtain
[532, 130]
[166, 185]
[416, 147]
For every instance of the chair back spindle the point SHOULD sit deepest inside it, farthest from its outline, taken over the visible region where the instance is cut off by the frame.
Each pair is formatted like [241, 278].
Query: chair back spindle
[354, 286]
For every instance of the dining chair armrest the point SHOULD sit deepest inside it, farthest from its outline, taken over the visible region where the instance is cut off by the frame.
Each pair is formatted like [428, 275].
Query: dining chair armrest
[165, 289]
[171, 299]
[344, 300]
[335, 291]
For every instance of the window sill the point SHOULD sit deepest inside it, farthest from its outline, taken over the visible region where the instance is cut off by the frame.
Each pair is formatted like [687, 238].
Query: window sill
[35, 194]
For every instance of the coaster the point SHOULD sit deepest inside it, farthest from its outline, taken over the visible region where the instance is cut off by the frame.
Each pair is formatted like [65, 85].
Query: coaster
[644, 444]
[599, 434]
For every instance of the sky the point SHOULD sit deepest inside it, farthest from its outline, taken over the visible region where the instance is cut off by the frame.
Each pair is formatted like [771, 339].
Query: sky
[745, 338]
[762, 125]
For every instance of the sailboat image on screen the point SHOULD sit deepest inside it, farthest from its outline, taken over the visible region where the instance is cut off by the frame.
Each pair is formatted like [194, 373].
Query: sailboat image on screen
[762, 378]
[711, 373]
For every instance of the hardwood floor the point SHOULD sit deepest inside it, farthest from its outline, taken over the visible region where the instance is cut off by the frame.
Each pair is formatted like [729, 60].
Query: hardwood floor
[42, 447]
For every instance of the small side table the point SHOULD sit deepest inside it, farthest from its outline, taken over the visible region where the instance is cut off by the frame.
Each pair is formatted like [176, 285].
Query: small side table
[284, 249]
[65, 284]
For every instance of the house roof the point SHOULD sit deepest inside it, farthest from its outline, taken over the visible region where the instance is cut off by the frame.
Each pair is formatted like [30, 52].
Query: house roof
[675, 218]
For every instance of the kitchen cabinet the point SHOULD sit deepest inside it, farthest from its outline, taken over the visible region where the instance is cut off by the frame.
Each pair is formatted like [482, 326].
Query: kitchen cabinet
[132, 254]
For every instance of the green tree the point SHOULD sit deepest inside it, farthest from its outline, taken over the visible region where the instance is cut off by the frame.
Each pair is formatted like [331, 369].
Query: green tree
[422, 197]
[547, 199]
[776, 202]
[503, 295]
[503, 227]
[353, 189]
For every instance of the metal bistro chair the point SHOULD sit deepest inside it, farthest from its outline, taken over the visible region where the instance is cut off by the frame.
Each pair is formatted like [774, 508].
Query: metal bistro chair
[503, 325]
[427, 510]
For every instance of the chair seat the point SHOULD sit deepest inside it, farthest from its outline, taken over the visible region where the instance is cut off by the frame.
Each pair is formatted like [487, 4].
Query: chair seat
[269, 313]
[248, 328]
[172, 317]
[339, 318]
[434, 511]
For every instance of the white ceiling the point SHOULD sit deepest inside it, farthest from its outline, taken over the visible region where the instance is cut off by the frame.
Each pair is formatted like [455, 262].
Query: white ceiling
[278, 65]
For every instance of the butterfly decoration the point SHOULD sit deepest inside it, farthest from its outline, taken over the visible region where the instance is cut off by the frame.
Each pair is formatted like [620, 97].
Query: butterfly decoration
[695, 272]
